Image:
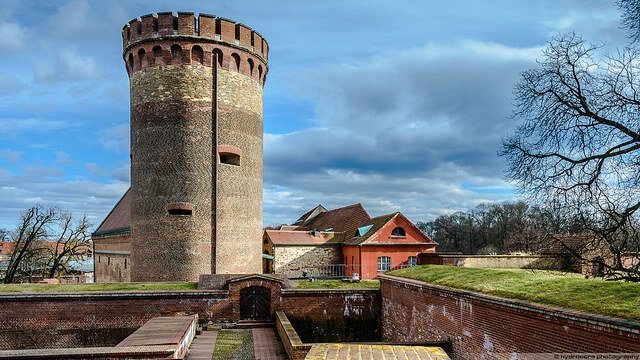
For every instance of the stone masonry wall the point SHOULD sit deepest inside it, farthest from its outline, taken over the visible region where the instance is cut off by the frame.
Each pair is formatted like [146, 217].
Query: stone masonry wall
[547, 262]
[293, 260]
[482, 326]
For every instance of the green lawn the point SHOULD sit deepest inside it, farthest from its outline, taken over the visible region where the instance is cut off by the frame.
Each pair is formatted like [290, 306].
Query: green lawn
[338, 284]
[97, 287]
[234, 344]
[568, 290]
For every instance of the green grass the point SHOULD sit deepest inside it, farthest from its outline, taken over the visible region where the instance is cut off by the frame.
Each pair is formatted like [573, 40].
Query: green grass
[568, 290]
[234, 344]
[17, 288]
[338, 284]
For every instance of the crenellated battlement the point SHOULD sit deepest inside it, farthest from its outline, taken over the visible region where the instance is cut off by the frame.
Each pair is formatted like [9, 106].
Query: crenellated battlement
[168, 38]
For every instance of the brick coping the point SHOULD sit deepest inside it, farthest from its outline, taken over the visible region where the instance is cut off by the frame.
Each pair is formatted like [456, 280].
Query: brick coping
[9, 296]
[93, 352]
[574, 315]
[294, 291]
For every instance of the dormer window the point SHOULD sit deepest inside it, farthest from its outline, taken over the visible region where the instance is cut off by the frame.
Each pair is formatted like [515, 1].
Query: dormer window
[363, 230]
[399, 232]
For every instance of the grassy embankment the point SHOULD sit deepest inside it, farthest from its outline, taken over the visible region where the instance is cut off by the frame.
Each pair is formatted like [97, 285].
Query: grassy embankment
[338, 284]
[568, 290]
[17, 288]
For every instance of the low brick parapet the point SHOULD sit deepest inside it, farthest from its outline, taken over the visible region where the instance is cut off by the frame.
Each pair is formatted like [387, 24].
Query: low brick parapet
[491, 326]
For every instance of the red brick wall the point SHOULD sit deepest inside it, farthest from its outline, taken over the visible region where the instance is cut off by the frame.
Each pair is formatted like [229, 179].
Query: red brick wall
[481, 325]
[96, 319]
[333, 315]
[103, 319]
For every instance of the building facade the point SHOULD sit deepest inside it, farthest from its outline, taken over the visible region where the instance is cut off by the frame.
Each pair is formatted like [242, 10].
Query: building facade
[343, 242]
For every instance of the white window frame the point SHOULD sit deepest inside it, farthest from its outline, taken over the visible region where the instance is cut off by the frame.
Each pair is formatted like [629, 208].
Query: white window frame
[384, 263]
[412, 261]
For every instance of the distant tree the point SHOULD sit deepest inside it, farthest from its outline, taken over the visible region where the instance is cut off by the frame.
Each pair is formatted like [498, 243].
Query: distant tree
[492, 228]
[578, 142]
[45, 241]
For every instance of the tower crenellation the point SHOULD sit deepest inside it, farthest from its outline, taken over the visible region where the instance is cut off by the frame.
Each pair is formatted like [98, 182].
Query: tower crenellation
[208, 31]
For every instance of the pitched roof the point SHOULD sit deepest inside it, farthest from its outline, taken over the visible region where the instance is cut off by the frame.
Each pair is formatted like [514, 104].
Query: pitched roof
[371, 236]
[302, 220]
[119, 219]
[345, 219]
[291, 237]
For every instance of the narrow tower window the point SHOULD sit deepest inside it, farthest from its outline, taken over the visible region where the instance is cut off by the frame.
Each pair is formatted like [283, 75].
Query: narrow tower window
[157, 54]
[176, 54]
[229, 155]
[217, 53]
[250, 67]
[236, 60]
[229, 158]
[181, 208]
[130, 61]
[139, 28]
[155, 24]
[175, 23]
[141, 58]
[197, 54]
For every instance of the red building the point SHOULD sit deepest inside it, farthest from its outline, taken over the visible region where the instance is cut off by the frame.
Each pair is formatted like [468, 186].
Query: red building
[343, 242]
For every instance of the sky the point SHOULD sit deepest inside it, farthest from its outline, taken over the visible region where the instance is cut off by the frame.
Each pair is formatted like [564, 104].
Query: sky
[400, 106]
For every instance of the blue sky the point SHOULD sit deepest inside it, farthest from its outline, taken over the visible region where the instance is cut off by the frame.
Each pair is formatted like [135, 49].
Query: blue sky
[397, 105]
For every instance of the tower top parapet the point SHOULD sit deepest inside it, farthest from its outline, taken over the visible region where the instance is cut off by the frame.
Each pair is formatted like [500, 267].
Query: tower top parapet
[201, 27]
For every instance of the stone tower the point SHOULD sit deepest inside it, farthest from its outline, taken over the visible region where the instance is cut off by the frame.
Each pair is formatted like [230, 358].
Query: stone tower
[196, 145]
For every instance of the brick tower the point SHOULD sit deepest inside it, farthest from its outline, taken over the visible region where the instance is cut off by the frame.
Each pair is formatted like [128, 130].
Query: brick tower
[196, 145]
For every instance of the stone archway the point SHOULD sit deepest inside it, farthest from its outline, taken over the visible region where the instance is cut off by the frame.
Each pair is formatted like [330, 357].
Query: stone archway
[255, 302]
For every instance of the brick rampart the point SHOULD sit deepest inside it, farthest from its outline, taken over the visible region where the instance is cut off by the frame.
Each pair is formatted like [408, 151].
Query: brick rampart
[63, 320]
[333, 315]
[483, 326]
[96, 318]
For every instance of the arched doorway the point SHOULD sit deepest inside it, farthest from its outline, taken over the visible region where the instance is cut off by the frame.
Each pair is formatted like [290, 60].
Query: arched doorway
[254, 303]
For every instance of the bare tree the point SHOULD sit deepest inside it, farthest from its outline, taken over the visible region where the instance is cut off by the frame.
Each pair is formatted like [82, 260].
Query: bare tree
[73, 243]
[33, 227]
[45, 242]
[578, 142]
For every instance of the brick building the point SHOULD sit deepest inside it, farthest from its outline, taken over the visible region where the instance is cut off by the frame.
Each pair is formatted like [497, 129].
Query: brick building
[195, 203]
[342, 242]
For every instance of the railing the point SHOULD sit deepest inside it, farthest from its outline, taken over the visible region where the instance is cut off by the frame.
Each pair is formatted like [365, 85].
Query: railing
[340, 271]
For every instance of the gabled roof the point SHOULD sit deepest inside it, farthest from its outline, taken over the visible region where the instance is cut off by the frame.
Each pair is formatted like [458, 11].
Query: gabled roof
[345, 219]
[119, 219]
[371, 237]
[306, 217]
[292, 237]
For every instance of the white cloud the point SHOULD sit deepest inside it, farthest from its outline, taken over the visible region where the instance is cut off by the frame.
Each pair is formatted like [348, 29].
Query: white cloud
[12, 36]
[66, 66]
